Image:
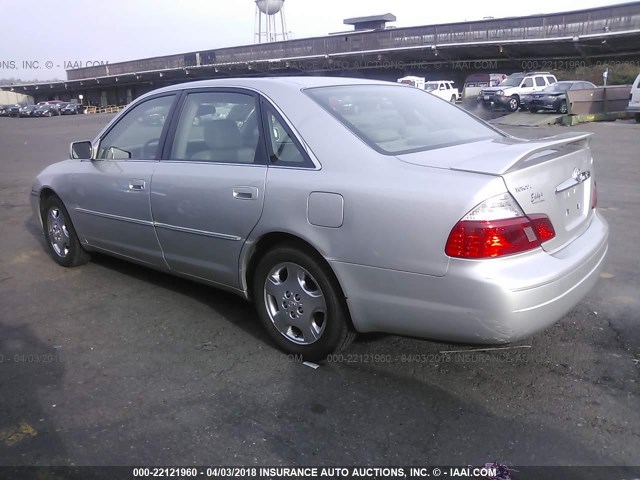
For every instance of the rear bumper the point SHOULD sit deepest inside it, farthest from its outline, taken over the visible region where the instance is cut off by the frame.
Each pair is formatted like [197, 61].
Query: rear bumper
[488, 301]
[633, 109]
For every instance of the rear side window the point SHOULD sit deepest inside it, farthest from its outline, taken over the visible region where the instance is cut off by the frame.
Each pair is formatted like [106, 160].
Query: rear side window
[284, 149]
[551, 80]
[396, 119]
[540, 82]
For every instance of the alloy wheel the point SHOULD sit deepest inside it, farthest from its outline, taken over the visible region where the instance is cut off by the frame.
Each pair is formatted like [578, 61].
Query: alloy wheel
[295, 303]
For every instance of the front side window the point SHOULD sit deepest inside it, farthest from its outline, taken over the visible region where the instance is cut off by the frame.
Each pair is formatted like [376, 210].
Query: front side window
[528, 83]
[219, 127]
[137, 135]
[395, 119]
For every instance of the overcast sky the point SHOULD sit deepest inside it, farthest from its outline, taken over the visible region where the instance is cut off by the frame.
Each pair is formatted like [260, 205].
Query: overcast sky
[117, 30]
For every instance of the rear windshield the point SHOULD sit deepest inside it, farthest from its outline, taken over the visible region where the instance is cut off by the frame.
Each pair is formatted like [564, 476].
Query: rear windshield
[395, 119]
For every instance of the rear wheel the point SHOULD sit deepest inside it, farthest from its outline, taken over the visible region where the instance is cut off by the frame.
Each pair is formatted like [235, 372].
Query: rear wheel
[638, 117]
[514, 103]
[533, 110]
[62, 241]
[300, 304]
[453, 99]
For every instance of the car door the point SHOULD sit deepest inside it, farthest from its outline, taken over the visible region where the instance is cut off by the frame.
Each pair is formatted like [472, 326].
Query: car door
[526, 87]
[539, 84]
[208, 191]
[111, 193]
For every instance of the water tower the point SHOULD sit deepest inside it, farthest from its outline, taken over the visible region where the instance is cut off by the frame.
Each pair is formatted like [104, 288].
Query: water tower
[270, 22]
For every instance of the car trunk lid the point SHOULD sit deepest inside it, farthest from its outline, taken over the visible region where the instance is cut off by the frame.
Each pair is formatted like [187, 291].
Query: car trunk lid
[551, 176]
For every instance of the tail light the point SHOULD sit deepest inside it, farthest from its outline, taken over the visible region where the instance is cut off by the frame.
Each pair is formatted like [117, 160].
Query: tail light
[498, 227]
[594, 195]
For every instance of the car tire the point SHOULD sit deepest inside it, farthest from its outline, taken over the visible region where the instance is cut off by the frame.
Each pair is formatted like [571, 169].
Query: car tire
[533, 110]
[638, 117]
[49, 114]
[453, 99]
[563, 108]
[300, 303]
[514, 103]
[62, 242]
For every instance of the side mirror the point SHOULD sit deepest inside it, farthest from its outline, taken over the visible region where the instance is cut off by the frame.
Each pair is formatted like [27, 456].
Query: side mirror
[81, 151]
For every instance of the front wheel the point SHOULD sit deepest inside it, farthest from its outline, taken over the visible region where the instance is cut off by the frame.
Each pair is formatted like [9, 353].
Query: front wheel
[563, 107]
[62, 241]
[300, 304]
[514, 103]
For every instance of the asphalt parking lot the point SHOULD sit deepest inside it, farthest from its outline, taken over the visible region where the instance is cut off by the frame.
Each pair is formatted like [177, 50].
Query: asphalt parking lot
[114, 364]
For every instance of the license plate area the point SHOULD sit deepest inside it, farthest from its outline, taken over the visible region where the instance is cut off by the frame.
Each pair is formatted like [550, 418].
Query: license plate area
[573, 205]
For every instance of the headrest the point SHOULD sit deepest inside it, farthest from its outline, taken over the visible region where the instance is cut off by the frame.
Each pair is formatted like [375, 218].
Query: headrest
[222, 134]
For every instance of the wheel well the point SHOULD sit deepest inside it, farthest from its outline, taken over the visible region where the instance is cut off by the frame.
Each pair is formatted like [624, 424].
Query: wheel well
[45, 194]
[270, 241]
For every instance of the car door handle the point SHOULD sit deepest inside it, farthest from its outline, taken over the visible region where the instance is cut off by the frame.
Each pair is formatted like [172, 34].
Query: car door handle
[137, 185]
[245, 193]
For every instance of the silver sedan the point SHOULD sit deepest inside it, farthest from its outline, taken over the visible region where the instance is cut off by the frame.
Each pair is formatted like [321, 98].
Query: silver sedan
[337, 206]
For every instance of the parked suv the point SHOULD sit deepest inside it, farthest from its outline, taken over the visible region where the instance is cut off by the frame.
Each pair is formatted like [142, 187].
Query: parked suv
[443, 89]
[634, 100]
[510, 93]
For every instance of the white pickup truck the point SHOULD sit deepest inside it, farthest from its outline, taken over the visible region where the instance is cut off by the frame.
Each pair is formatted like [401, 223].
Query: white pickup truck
[443, 89]
[440, 88]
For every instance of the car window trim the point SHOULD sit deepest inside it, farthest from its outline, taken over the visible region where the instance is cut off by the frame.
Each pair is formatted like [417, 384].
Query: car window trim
[173, 128]
[163, 134]
[309, 164]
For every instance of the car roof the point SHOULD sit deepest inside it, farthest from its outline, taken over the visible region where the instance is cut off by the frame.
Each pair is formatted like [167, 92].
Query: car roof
[266, 84]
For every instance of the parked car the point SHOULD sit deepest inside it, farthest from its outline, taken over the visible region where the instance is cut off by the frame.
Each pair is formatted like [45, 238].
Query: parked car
[450, 232]
[634, 99]
[443, 89]
[61, 105]
[27, 111]
[475, 82]
[14, 110]
[510, 92]
[46, 110]
[72, 109]
[554, 97]
[4, 110]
